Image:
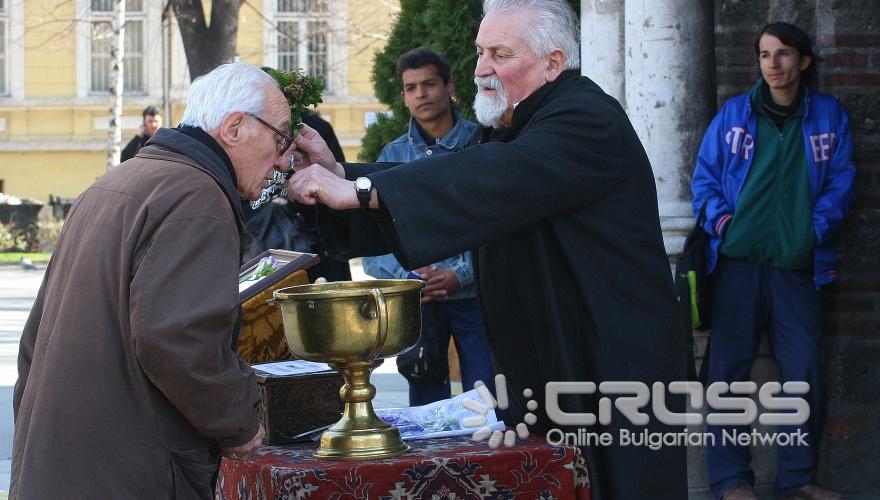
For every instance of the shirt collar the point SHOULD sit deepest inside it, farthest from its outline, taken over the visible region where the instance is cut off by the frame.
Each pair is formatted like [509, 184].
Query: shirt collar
[449, 141]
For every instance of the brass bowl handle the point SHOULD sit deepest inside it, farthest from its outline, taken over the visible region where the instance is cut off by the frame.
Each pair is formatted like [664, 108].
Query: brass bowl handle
[379, 311]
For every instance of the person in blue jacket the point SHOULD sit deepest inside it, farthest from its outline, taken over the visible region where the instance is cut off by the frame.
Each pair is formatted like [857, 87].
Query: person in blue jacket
[449, 301]
[775, 175]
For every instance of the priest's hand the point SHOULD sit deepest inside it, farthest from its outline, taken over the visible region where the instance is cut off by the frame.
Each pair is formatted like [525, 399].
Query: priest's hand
[316, 184]
[245, 450]
[440, 283]
[309, 146]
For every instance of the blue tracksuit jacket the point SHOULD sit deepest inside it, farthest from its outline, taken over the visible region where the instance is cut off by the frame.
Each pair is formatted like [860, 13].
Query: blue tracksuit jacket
[727, 153]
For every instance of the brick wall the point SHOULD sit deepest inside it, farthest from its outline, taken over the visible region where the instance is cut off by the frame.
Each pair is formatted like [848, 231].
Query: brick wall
[846, 35]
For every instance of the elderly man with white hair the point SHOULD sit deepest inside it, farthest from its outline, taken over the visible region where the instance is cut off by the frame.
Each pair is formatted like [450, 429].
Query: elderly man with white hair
[128, 385]
[557, 200]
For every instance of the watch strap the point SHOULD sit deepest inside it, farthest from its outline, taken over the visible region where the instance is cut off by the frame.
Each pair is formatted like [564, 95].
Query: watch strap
[364, 195]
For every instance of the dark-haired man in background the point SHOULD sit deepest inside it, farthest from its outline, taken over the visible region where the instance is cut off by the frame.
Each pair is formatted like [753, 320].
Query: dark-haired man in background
[151, 123]
[449, 302]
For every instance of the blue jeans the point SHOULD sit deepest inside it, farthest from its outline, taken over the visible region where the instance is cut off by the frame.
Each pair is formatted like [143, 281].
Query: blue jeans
[748, 300]
[461, 319]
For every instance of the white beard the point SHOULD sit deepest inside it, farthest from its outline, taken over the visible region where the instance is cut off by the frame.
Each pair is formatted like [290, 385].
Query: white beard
[490, 109]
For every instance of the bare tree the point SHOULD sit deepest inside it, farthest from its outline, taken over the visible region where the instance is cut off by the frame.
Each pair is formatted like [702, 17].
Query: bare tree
[117, 51]
[207, 46]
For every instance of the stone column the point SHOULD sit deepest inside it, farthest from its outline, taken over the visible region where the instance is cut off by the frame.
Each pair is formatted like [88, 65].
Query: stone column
[602, 45]
[670, 97]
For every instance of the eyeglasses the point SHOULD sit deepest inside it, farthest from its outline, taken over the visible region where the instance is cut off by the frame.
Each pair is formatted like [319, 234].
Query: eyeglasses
[286, 140]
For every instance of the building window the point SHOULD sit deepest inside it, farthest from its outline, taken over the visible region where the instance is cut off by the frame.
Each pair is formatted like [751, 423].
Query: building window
[303, 30]
[4, 33]
[288, 45]
[101, 35]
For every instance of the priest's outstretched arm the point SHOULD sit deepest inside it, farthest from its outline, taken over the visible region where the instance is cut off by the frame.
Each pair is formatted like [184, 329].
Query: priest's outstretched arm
[436, 207]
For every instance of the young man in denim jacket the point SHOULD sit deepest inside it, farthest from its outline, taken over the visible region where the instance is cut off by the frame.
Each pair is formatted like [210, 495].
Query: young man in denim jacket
[775, 175]
[449, 302]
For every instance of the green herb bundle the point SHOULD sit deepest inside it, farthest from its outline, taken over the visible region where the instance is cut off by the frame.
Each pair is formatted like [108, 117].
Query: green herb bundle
[301, 91]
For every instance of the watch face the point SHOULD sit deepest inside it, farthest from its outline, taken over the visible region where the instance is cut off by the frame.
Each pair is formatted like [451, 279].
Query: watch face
[363, 184]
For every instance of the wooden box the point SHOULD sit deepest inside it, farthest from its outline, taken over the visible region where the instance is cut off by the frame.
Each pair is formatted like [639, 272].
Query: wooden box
[295, 398]
[261, 338]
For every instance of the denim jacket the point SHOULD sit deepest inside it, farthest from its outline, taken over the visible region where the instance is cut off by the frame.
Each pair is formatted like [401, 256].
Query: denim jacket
[408, 147]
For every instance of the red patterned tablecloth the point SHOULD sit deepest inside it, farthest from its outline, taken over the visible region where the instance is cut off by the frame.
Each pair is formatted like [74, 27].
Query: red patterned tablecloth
[435, 468]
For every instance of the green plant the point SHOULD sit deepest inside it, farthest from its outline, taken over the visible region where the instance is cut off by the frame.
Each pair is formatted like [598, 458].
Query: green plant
[301, 91]
[11, 239]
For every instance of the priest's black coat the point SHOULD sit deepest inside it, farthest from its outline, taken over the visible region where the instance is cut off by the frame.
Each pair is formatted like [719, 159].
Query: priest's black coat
[573, 278]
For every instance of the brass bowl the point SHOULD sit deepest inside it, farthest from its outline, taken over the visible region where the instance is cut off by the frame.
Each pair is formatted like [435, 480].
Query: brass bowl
[352, 325]
[342, 321]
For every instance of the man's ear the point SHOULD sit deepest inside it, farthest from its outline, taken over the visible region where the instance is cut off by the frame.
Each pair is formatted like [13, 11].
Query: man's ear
[230, 129]
[805, 62]
[450, 87]
[555, 65]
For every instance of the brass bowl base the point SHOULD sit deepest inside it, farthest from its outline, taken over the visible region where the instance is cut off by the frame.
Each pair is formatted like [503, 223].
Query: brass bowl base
[359, 433]
[368, 443]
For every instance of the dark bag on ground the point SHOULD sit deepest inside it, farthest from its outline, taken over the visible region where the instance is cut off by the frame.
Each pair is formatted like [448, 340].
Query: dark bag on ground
[694, 287]
[427, 361]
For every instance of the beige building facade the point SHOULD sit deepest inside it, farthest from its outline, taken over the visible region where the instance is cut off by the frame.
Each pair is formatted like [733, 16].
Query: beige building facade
[54, 72]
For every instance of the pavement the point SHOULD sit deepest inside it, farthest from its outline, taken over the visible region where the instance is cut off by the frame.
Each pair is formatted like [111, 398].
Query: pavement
[18, 291]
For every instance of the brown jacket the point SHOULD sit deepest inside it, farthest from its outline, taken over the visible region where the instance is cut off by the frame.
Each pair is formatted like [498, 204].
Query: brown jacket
[128, 385]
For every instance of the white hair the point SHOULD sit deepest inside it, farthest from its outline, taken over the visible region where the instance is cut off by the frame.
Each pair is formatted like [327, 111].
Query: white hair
[237, 86]
[553, 23]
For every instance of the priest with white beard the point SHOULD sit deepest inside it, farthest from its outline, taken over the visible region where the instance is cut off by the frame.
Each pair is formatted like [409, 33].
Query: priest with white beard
[556, 199]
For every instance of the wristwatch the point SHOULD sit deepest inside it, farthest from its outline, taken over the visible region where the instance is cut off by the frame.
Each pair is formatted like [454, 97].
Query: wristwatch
[364, 188]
